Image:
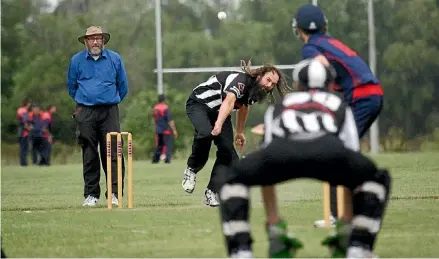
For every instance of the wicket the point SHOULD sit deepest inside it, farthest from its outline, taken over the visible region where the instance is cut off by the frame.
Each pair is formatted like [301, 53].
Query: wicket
[342, 200]
[119, 169]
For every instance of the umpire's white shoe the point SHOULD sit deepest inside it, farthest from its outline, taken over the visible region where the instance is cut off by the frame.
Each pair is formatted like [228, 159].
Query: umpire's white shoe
[90, 201]
[211, 198]
[189, 180]
[321, 223]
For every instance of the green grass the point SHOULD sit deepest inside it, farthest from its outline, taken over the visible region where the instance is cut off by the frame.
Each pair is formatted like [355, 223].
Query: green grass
[42, 214]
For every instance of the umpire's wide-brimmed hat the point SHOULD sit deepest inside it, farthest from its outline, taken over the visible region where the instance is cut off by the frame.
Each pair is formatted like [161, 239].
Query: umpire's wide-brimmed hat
[94, 30]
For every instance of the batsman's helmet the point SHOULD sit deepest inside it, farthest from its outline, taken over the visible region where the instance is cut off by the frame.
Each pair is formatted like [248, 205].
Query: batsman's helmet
[311, 74]
[309, 18]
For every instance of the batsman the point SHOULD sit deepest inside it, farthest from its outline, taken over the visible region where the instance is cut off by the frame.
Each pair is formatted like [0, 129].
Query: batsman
[311, 134]
[360, 88]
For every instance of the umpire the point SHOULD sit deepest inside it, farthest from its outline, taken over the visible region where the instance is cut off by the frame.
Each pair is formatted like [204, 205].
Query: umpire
[97, 82]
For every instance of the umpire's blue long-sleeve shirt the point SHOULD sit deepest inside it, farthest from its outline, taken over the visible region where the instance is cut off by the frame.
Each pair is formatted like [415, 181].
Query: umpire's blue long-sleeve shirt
[97, 82]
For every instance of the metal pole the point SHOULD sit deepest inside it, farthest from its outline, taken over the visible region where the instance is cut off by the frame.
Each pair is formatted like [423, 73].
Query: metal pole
[314, 2]
[374, 131]
[158, 46]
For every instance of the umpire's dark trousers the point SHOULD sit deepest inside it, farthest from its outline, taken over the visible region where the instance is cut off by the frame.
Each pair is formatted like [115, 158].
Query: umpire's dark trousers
[2, 252]
[204, 120]
[93, 123]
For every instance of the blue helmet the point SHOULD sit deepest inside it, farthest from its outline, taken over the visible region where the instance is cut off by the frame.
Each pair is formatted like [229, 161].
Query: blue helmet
[310, 18]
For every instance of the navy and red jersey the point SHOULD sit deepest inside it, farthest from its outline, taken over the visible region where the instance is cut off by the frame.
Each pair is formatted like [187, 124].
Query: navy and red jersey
[162, 117]
[39, 124]
[354, 77]
[47, 119]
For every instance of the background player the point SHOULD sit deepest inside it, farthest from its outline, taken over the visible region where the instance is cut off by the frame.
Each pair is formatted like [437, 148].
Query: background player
[164, 123]
[312, 134]
[209, 108]
[360, 88]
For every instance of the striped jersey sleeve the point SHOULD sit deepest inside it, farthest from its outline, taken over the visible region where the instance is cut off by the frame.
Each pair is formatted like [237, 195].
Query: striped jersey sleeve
[213, 91]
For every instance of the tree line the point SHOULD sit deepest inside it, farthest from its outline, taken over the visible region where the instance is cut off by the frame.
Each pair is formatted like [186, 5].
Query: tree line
[37, 46]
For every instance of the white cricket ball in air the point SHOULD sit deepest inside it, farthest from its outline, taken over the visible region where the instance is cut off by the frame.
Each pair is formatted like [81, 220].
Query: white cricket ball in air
[222, 15]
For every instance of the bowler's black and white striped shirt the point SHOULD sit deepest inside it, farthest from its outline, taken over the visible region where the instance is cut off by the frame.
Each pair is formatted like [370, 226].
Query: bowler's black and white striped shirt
[213, 91]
